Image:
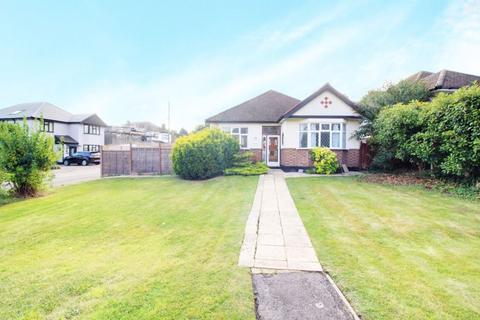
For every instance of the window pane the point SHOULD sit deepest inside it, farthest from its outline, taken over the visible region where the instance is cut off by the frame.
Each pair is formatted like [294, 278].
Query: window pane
[244, 130]
[325, 126]
[335, 139]
[236, 136]
[314, 139]
[303, 140]
[344, 135]
[335, 126]
[243, 141]
[303, 126]
[235, 130]
[314, 126]
[325, 139]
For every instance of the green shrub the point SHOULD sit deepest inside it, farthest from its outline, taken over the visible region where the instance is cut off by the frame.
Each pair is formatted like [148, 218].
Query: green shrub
[376, 100]
[453, 132]
[204, 154]
[443, 134]
[26, 157]
[394, 135]
[324, 160]
[251, 169]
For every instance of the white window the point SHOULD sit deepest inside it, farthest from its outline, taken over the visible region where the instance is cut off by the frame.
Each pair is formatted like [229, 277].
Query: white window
[329, 135]
[239, 133]
[91, 129]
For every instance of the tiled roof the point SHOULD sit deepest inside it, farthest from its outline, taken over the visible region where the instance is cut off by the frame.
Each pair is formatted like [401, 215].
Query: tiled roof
[267, 107]
[49, 112]
[444, 79]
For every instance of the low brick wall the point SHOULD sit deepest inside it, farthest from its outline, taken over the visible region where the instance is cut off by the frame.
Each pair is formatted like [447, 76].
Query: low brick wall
[301, 157]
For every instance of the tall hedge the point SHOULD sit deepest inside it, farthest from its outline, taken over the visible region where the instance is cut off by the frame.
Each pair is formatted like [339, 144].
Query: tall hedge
[204, 154]
[453, 132]
[443, 135]
[393, 131]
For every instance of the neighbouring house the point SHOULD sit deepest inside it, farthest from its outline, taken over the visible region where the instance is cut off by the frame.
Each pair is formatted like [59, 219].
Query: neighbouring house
[72, 132]
[444, 80]
[130, 134]
[281, 130]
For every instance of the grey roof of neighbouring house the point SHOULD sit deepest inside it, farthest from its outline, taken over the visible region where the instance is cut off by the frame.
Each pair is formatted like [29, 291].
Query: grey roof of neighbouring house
[444, 79]
[48, 111]
[267, 107]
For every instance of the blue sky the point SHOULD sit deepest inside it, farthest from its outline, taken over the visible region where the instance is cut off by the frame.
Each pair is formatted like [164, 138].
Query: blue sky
[126, 60]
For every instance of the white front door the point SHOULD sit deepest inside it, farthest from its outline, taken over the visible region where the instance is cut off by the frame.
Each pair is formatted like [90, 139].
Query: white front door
[273, 151]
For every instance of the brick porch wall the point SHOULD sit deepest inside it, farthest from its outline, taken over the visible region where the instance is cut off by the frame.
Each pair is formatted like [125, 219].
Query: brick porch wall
[301, 157]
[257, 154]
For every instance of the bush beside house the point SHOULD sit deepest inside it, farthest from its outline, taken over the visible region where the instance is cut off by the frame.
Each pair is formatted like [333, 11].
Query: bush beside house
[26, 157]
[204, 154]
[324, 160]
[443, 135]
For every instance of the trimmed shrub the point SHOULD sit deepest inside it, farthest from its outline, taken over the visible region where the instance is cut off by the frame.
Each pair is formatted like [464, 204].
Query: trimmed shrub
[26, 157]
[204, 154]
[244, 165]
[251, 169]
[324, 160]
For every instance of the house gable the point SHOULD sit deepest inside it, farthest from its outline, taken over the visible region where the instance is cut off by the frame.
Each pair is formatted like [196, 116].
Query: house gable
[326, 102]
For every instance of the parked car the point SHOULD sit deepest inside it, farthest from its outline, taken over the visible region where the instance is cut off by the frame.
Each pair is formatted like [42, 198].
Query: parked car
[83, 158]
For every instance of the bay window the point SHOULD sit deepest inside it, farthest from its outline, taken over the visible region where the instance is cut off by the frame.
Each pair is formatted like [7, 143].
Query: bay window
[328, 135]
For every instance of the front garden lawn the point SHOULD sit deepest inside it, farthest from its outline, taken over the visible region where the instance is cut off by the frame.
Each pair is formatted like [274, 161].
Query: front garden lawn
[153, 248]
[396, 252]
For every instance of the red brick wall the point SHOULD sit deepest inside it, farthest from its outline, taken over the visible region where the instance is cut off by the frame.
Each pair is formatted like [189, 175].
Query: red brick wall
[295, 158]
[301, 157]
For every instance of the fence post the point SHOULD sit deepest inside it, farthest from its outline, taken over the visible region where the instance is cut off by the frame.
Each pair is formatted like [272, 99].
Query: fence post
[130, 156]
[160, 157]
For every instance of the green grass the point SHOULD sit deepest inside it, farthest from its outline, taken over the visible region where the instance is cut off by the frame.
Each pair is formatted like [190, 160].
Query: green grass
[153, 248]
[396, 252]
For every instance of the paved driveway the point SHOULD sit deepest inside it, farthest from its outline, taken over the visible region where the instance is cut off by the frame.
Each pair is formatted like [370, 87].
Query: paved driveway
[74, 174]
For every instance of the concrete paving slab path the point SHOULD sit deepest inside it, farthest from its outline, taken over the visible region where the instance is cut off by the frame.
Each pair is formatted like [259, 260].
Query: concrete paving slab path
[288, 280]
[275, 236]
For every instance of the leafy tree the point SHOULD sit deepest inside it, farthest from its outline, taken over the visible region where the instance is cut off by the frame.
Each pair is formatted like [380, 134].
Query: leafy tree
[26, 157]
[375, 100]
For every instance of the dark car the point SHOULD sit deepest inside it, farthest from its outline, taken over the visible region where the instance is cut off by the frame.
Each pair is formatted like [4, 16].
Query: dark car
[83, 158]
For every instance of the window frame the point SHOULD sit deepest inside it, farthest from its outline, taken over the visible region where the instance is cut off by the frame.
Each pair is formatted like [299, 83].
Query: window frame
[48, 126]
[88, 147]
[317, 128]
[238, 134]
[91, 129]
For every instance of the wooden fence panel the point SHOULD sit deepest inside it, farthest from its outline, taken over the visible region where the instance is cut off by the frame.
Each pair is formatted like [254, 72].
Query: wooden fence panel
[145, 161]
[115, 163]
[137, 161]
[165, 161]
